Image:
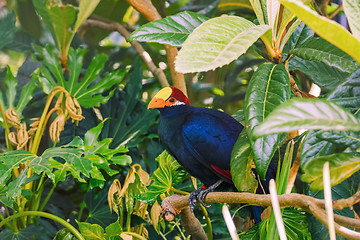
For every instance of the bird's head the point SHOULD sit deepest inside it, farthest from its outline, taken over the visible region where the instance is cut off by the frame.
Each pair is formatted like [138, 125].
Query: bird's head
[168, 97]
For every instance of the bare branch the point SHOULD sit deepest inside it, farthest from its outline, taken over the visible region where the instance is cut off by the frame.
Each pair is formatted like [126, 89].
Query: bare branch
[174, 204]
[117, 27]
[147, 9]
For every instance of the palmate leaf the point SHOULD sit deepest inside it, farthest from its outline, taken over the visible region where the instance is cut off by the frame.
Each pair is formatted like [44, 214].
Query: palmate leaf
[172, 30]
[240, 165]
[342, 166]
[89, 89]
[129, 117]
[164, 177]
[325, 28]
[268, 88]
[216, 43]
[317, 49]
[12, 93]
[307, 114]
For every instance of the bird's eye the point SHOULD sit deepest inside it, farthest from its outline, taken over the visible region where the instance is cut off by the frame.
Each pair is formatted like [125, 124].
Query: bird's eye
[172, 100]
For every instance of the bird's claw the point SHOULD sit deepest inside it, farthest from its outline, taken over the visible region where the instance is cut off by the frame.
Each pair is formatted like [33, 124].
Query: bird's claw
[198, 196]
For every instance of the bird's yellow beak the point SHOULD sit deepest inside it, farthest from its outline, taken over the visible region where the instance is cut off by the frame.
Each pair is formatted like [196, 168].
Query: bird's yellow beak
[159, 99]
[156, 103]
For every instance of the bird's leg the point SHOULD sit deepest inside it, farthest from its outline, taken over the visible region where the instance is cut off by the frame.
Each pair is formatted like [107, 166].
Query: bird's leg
[199, 195]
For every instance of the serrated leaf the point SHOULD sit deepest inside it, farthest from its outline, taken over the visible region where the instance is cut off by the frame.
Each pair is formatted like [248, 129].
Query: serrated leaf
[164, 177]
[317, 49]
[352, 12]
[268, 88]
[216, 43]
[172, 30]
[323, 75]
[7, 29]
[12, 159]
[240, 165]
[342, 166]
[347, 94]
[307, 114]
[325, 28]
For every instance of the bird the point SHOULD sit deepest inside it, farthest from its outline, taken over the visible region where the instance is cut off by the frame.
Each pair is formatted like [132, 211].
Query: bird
[200, 139]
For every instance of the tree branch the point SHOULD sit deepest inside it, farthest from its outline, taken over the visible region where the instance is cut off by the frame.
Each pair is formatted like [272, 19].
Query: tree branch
[174, 204]
[117, 27]
[147, 9]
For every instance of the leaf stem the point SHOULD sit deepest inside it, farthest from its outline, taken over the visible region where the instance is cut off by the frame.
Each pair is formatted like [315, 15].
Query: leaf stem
[71, 228]
[179, 191]
[208, 222]
[48, 196]
[7, 129]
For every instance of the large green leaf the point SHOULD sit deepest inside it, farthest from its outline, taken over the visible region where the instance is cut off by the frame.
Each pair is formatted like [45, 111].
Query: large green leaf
[12, 159]
[62, 17]
[342, 166]
[352, 12]
[241, 161]
[268, 88]
[89, 89]
[347, 94]
[41, 9]
[164, 177]
[216, 43]
[91, 231]
[129, 117]
[300, 35]
[325, 76]
[325, 28]
[172, 30]
[7, 29]
[298, 114]
[317, 49]
[86, 7]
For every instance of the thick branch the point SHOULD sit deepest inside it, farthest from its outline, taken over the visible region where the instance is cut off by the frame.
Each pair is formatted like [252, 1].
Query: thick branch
[113, 26]
[147, 9]
[174, 204]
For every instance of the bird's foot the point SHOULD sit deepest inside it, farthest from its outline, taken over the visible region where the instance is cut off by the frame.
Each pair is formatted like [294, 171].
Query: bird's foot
[199, 195]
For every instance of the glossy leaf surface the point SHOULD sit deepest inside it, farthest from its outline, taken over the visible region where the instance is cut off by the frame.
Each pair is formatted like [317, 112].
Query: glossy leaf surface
[307, 114]
[325, 28]
[172, 30]
[268, 88]
[342, 166]
[216, 43]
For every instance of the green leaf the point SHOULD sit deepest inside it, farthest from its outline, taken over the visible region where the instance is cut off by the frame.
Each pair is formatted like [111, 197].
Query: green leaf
[226, 5]
[86, 7]
[11, 87]
[268, 88]
[7, 29]
[240, 165]
[14, 187]
[60, 174]
[164, 177]
[128, 116]
[91, 231]
[26, 94]
[92, 134]
[62, 17]
[323, 75]
[325, 28]
[352, 12]
[216, 43]
[301, 34]
[347, 94]
[342, 166]
[172, 30]
[99, 211]
[41, 8]
[307, 114]
[317, 49]
[12, 159]
[113, 229]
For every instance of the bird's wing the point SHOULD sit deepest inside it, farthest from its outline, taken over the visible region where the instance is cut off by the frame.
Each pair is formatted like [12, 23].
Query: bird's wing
[210, 136]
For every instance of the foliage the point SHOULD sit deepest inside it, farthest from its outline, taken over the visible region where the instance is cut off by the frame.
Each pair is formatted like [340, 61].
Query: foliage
[74, 114]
